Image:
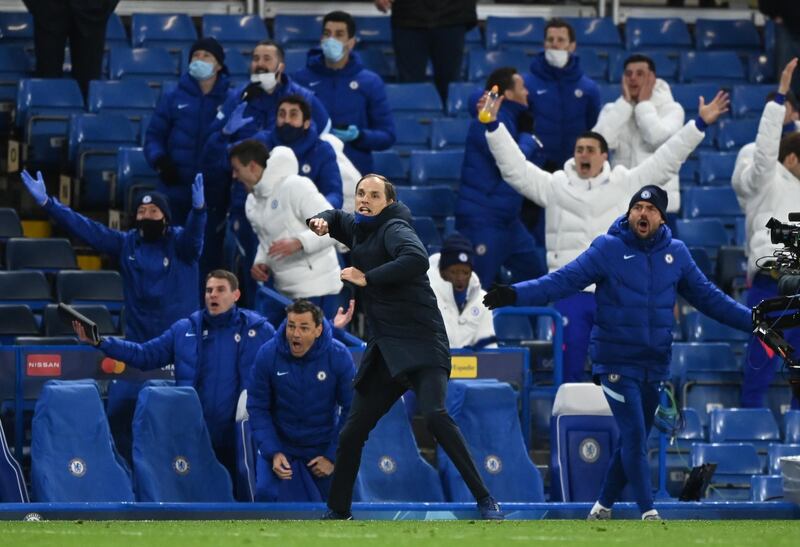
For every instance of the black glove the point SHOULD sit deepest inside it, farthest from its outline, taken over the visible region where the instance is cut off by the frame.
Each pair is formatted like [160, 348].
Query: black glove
[525, 122]
[168, 171]
[252, 92]
[499, 296]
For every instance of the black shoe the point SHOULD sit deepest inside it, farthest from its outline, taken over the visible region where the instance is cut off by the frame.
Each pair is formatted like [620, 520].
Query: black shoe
[330, 514]
[490, 509]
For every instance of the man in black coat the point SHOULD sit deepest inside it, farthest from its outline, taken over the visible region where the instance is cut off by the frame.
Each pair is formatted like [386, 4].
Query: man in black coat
[408, 344]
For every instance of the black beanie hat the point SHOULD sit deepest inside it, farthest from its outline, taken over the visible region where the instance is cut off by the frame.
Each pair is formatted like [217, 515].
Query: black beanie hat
[652, 194]
[156, 198]
[210, 45]
[456, 249]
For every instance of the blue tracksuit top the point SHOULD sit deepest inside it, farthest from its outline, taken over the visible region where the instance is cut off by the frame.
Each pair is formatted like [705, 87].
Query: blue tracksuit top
[180, 127]
[212, 354]
[263, 108]
[356, 96]
[293, 402]
[637, 282]
[160, 279]
[564, 102]
[484, 197]
[316, 160]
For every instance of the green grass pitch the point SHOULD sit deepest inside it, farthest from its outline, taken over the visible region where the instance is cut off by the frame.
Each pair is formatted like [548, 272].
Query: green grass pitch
[352, 534]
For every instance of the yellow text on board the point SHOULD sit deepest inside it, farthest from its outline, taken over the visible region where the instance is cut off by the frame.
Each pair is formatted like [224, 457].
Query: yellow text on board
[464, 366]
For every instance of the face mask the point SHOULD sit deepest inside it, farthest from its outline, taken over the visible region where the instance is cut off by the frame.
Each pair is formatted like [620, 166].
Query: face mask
[201, 70]
[332, 49]
[289, 133]
[267, 80]
[151, 230]
[556, 57]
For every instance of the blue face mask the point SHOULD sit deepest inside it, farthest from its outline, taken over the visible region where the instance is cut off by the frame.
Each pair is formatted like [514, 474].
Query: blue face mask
[332, 49]
[288, 133]
[364, 219]
[201, 70]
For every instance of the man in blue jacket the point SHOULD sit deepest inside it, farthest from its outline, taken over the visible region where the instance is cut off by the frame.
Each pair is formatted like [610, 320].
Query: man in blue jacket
[488, 209]
[638, 269]
[563, 100]
[298, 397]
[316, 158]
[354, 96]
[213, 350]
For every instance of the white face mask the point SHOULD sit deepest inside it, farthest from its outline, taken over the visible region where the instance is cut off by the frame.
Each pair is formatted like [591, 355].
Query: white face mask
[556, 57]
[266, 79]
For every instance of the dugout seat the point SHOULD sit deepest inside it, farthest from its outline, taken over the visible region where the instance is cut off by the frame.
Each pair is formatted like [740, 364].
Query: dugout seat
[15, 64]
[480, 64]
[733, 134]
[44, 254]
[415, 99]
[791, 427]
[751, 425]
[245, 480]
[709, 233]
[435, 201]
[766, 488]
[391, 165]
[151, 64]
[740, 35]
[16, 27]
[428, 233]
[16, 320]
[776, 451]
[27, 288]
[516, 32]
[720, 67]
[669, 33]
[411, 134]
[458, 94]
[91, 287]
[240, 32]
[371, 30]
[297, 31]
[598, 33]
[134, 176]
[594, 64]
[170, 31]
[736, 463]
[747, 101]
[115, 32]
[716, 168]
[687, 95]
[666, 65]
[449, 133]
[430, 167]
[55, 325]
[710, 202]
[132, 98]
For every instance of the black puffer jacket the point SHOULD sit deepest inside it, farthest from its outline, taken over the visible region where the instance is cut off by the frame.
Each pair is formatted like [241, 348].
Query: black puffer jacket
[433, 13]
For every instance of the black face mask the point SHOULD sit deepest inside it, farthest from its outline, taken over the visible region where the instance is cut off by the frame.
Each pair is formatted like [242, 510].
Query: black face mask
[151, 230]
[289, 133]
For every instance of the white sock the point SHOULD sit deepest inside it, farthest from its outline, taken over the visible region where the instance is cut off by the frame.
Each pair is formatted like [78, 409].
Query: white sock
[597, 508]
[651, 512]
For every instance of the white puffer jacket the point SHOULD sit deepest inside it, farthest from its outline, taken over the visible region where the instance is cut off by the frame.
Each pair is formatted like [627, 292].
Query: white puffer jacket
[578, 210]
[350, 175]
[765, 188]
[475, 322]
[277, 209]
[635, 132]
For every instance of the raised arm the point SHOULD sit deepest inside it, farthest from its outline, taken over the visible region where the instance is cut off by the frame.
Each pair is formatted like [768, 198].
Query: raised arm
[189, 242]
[339, 224]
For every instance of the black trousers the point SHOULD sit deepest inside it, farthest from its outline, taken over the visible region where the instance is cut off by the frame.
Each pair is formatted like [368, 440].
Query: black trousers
[374, 396]
[444, 46]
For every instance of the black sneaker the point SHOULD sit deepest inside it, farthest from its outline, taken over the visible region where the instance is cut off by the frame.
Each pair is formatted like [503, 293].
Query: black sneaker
[330, 514]
[490, 509]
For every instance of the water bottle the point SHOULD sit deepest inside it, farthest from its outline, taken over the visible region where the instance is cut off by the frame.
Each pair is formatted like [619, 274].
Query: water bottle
[485, 115]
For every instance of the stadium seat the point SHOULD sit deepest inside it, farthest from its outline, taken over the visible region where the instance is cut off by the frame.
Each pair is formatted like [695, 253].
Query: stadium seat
[134, 175]
[414, 99]
[736, 462]
[609, 92]
[389, 164]
[16, 27]
[115, 32]
[513, 330]
[733, 134]
[15, 64]
[12, 481]
[428, 233]
[45, 254]
[760, 68]
[703, 260]
[73, 458]
[715, 168]
[701, 328]
[766, 488]
[391, 467]
[449, 133]
[28, 288]
[751, 425]
[699, 202]
[152, 64]
[458, 95]
[720, 67]
[429, 167]
[45, 341]
[731, 269]
[132, 98]
[171, 31]
[711, 380]
[411, 134]
[600, 34]
[687, 95]
[747, 101]
[16, 320]
[240, 32]
[42, 114]
[709, 233]
[666, 65]
[371, 30]
[9, 223]
[480, 64]
[740, 35]
[670, 33]
[297, 31]
[91, 287]
[173, 460]
[517, 32]
[428, 201]
[54, 325]
[375, 60]
[593, 64]
[698, 356]
[776, 451]
[486, 413]
[791, 427]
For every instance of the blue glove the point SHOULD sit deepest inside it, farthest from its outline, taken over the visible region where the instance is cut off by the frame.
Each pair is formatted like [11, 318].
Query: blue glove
[347, 135]
[236, 121]
[198, 200]
[35, 186]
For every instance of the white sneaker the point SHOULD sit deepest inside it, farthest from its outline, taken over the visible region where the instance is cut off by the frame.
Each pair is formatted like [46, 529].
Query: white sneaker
[651, 515]
[599, 512]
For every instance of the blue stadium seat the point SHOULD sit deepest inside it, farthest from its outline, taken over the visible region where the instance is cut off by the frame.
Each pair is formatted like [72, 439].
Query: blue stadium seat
[15, 64]
[391, 467]
[389, 164]
[486, 413]
[132, 98]
[91, 287]
[295, 58]
[173, 460]
[45, 254]
[10, 225]
[73, 457]
[720, 67]
[28, 288]
[666, 65]
[16, 27]
[16, 320]
[375, 60]
[687, 95]
[240, 32]
[776, 451]
[458, 95]
[593, 63]
[54, 325]
[671, 34]
[414, 99]
[115, 32]
[701, 328]
[428, 201]
[760, 68]
[427, 167]
[609, 92]
[766, 488]
[171, 31]
[697, 355]
[411, 133]
[134, 175]
[791, 427]
[751, 425]
[736, 462]
[733, 134]
[428, 233]
[731, 269]
[703, 260]
[371, 30]
[688, 172]
[709, 233]
[740, 35]
[512, 330]
[596, 33]
[152, 64]
[297, 30]
[714, 382]
[518, 32]
[12, 481]
[715, 168]
[480, 64]
[449, 133]
[747, 101]
[717, 202]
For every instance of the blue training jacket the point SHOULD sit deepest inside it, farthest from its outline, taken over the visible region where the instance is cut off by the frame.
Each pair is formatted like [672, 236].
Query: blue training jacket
[179, 129]
[293, 402]
[484, 197]
[160, 279]
[207, 356]
[564, 102]
[316, 159]
[637, 282]
[356, 96]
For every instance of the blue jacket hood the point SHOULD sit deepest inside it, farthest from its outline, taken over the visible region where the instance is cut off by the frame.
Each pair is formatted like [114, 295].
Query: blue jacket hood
[301, 146]
[320, 347]
[316, 63]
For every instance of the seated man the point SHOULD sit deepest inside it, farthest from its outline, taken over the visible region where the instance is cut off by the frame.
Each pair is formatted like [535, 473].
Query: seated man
[459, 294]
[298, 396]
[213, 350]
